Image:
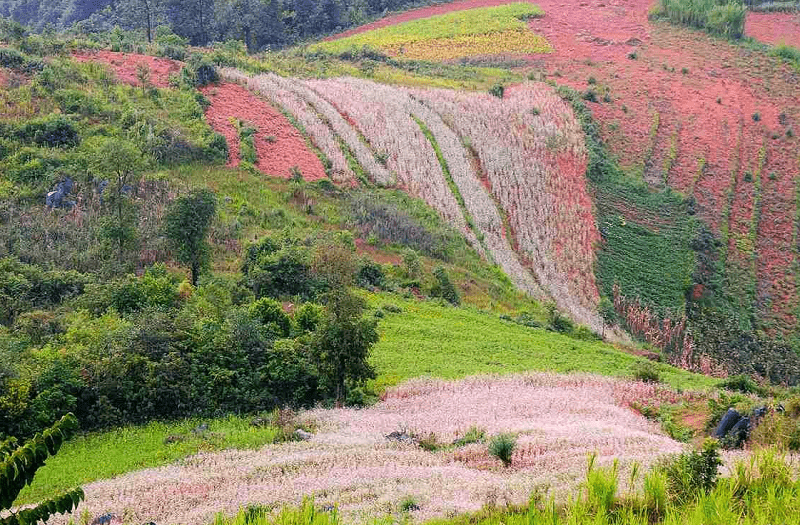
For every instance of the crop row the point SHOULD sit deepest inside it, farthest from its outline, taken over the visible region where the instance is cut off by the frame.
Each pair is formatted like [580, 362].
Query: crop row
[531, 148]
[527, 146]
[480, 31]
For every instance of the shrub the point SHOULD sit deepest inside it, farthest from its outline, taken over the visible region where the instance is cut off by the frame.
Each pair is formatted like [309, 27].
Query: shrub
[741, 383]
[11, 58]
[692, 473]
[371, 274]
[55, 131]
[502, 447]
[646, 372]
[498, 90]
[270, 313]
[307, 317]
[278, 268]
[444, 288]
[473, 435]
[601, 487]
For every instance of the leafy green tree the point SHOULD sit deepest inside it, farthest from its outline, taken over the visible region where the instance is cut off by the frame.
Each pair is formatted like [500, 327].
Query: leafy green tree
[342, 343]
[18, 465]
[186, 226]
[122, 162]
[145, 14]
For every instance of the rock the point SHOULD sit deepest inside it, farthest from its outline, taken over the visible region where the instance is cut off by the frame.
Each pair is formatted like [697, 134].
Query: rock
[56, 198]
[302, 435]
[760, 412]
[402, 437]
[106, 519]
[738, 434]
[727, 422]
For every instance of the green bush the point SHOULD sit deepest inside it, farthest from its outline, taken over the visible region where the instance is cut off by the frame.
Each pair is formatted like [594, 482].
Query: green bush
[720, 17]
[270, 313]
[741, 383]
[646, 372]
[279, 268]
[692, 473]
[444, 288]
[502, 447]
[11, 58]
[54, 131]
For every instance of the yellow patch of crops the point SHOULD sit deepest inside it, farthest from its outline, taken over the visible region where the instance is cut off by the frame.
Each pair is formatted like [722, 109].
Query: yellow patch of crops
[482, 31]
[513, 41]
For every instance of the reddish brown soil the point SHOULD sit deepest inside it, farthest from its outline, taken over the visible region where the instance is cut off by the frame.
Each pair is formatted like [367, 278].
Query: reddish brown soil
[3, 77]
[125, 64]
[705, 92]
[285, 148]
[774, 28]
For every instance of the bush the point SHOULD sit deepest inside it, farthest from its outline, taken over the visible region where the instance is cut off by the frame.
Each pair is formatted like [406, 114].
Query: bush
[502, 447]
[270, 313]
[371, 274]
[741, 383]
[498, 90]
[723, 19]
[692, 473]
[279, 268]
[444, 288]
[55, 131]
[11, 58]
[646, 373]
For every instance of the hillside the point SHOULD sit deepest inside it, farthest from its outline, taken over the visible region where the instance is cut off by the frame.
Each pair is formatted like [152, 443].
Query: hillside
[257, 278]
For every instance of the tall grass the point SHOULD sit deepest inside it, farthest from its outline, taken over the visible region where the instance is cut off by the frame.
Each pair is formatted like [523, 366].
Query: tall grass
[719, 17]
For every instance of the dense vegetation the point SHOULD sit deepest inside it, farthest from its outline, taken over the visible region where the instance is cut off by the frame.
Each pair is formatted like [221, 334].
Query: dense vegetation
[259, 23]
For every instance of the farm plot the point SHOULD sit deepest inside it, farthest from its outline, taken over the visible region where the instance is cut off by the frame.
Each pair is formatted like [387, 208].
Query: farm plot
[125, 66]
[473, 32]
[280, 148]
[531, 149]
[774, 28]
[349, 461]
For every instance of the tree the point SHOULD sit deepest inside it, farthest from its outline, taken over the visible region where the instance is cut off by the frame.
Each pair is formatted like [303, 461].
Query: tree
[122, 161]
[186, 226]
[141, 14]
[342, 343]
[18, 465]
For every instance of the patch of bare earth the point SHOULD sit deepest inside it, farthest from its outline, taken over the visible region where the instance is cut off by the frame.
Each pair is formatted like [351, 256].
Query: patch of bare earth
[280, 148]
[774, 28]
[349, 461]
[125, 66]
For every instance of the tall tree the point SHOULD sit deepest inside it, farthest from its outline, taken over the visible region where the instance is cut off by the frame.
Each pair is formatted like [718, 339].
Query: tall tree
[186, 227]
[141, 14]
[192, 19]
[342, 343]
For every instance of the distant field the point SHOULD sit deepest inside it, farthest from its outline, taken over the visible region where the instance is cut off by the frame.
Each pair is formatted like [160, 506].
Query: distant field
[427, 339]
[474, 32]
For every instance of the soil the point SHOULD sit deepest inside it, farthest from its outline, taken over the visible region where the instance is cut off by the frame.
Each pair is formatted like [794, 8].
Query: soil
[125, 65]
[376, 254]
[716, 105]
[279, 146]
[3, 77]
[774, 28]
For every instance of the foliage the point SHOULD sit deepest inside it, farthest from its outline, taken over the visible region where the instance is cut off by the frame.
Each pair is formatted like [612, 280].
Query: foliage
[719, 17]
[306, 514]
[18, 466]
[186, 226]
[691, 474]
[741, 383]
[341, 345]
[646, 373]
[279, 267]
[502, 447]
[444, 288]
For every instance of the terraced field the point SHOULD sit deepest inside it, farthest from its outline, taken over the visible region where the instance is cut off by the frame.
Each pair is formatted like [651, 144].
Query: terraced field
[509, 172]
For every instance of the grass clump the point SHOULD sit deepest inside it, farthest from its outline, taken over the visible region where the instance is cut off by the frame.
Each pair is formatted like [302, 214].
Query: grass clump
[722, 19]
[502, 447]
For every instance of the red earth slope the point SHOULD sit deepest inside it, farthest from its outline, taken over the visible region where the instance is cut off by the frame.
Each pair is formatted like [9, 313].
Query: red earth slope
[703, 115]
[279, 146]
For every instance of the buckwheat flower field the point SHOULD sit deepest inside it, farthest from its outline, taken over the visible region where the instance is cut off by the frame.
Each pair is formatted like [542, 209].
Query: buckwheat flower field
[349, 461]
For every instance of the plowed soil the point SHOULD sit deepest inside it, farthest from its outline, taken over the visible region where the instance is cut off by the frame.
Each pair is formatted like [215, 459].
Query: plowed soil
[125, 64]
[716, 105]
[279, 146]
[774, 28]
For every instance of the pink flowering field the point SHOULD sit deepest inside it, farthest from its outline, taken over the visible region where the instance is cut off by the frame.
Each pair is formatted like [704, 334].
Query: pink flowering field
[558, 421]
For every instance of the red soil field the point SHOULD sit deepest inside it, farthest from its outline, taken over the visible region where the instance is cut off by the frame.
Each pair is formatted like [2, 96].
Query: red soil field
[286, 147]
[3, 78]
[125, 64]
[716, 104]
[774, 28]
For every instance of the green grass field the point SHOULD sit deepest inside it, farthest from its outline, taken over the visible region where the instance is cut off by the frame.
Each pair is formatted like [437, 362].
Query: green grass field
[107, 454]
[428, 339]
